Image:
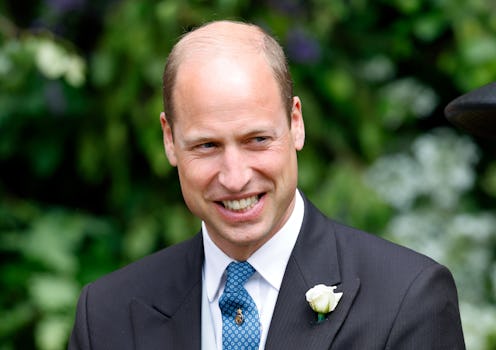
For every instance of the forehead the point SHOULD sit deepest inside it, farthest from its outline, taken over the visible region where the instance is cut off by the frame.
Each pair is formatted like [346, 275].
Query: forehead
[225, 81]
[227, 94]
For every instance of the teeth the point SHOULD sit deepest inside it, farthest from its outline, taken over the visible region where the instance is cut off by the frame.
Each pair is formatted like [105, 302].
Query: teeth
[242, 204]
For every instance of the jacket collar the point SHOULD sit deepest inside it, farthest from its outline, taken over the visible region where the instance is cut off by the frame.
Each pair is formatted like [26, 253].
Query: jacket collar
[171, 317]
[314, 260]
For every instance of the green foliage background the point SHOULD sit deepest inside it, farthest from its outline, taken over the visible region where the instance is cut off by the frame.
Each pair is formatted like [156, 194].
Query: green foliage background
[85, 187]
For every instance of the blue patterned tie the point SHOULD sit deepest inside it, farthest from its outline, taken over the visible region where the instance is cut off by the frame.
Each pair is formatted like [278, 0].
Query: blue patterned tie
[240, 322]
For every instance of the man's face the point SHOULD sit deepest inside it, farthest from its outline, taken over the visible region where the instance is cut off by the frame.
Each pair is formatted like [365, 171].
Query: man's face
[234, 149]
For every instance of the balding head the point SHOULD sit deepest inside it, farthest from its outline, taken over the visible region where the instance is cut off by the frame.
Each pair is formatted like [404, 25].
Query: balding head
[229, 39]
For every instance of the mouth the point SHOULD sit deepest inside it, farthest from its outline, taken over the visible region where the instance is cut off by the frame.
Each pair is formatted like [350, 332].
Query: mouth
[241, 205]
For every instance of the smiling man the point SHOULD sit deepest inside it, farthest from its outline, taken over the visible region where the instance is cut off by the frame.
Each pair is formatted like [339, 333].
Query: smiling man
[232, 127]
[233, 142]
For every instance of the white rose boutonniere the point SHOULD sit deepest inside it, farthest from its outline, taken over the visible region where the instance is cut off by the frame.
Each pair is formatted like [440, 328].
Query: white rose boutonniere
[323, 300]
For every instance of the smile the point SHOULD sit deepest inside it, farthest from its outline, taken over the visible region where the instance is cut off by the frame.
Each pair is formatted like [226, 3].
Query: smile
[242, 204]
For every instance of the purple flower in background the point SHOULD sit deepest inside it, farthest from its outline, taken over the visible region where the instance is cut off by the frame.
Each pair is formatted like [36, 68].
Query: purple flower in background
[301, 47]
[63, 6]
[290, 7]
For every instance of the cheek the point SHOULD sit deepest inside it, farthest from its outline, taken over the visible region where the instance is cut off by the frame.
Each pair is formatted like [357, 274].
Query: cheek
[195, 174]
[279, 175]
[193, 189]
[278, 163]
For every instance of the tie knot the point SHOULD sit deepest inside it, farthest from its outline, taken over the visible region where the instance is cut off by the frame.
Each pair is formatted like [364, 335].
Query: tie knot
[237, 275]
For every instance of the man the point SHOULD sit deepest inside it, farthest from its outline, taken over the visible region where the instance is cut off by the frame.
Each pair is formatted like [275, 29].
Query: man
[232, 128]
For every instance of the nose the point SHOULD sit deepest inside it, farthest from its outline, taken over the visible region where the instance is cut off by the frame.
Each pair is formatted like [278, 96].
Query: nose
[235, 173]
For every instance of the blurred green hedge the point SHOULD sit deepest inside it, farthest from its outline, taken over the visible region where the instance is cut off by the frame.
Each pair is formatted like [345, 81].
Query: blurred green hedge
[85, 187]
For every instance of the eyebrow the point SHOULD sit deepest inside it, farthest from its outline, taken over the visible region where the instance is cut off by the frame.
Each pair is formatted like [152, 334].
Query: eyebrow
[259, 131]
[199, 139]
[196, 140]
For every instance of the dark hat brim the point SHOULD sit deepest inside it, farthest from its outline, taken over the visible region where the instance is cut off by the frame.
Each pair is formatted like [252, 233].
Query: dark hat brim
[475, 111]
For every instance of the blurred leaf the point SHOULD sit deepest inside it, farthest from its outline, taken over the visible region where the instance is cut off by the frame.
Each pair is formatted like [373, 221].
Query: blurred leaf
[180, 224]
[430, 26]
[339, 84]
[140, 239]
[52, 333]
[489, 180]
[344, 196]
[15, 318]
[52, 293]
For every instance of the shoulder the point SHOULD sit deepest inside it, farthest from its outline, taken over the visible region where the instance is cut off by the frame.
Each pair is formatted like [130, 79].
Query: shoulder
[160, 270]
[363, 245]
[368, 256]
[374, 257]
[154, 285]
[359, 242]
[400, 288]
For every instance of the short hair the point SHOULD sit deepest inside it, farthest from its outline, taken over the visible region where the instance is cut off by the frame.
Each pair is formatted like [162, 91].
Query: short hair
[274, 54]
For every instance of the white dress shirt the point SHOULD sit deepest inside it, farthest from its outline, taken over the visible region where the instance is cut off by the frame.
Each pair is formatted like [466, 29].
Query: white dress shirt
[269, 261]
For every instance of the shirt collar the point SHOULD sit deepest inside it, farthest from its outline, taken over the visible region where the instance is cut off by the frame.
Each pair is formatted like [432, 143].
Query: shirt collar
[270, 260]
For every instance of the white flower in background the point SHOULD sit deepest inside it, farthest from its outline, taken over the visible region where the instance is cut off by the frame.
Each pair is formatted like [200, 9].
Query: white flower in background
[75, 71]
[392, 178]
[446, 163]
[440, 168]
[405, 97]
[50, 59]
[477, 321]
[55, 62]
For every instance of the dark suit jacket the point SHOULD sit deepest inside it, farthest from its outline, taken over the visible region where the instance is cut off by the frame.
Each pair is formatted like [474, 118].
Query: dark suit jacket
[393, 298]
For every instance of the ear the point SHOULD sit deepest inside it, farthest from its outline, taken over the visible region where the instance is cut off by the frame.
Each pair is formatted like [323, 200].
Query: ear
[170, 150]
[297, 125]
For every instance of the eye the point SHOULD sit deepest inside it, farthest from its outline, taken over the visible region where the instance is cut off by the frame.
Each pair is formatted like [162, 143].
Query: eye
[260, 139]
[258, 142]
[206, 145]
[203, 147]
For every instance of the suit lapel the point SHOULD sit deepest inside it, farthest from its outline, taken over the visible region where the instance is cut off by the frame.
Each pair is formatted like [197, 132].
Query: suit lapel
[171, 317]
[155, 330]
[313, 261]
